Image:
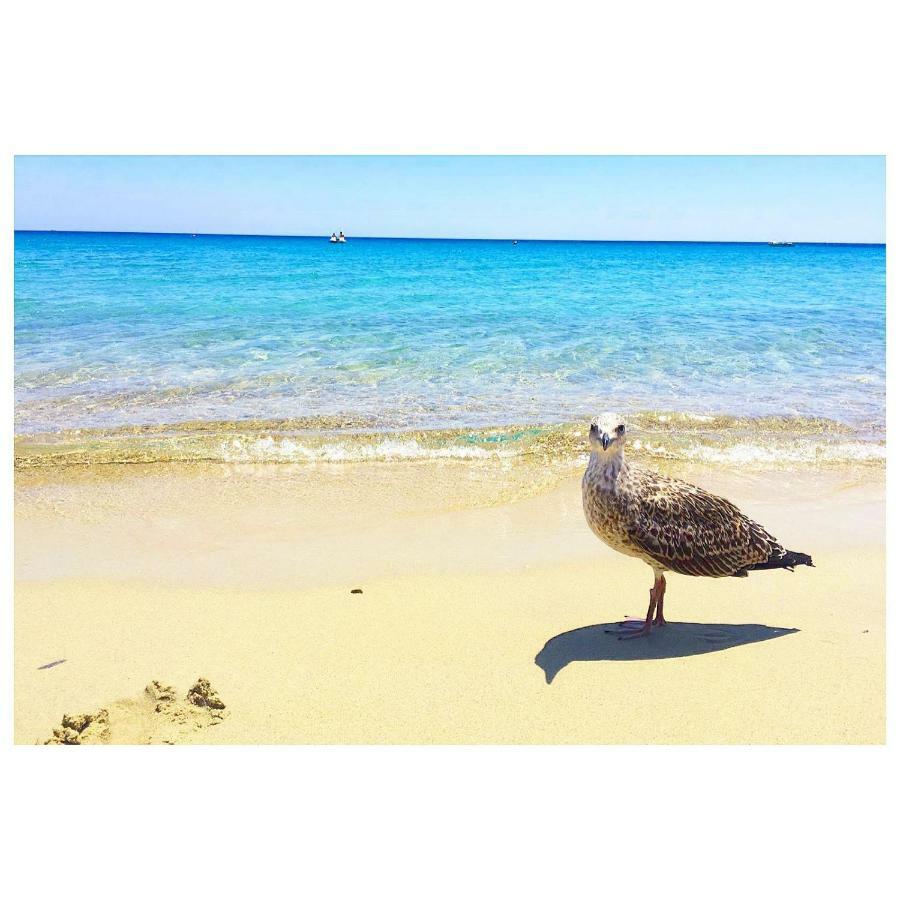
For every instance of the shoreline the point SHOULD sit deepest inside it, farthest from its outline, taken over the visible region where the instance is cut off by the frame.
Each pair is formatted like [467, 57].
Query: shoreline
[667, 437]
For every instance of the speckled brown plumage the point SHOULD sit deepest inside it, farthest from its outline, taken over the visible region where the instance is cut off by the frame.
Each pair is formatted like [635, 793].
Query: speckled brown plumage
[670, 524]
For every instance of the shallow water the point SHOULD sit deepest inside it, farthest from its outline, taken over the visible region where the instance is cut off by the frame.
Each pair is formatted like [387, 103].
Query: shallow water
[120, 329]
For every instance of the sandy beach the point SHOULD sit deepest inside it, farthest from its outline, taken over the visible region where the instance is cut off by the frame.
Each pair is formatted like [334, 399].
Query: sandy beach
[482, 615]
[342, 484]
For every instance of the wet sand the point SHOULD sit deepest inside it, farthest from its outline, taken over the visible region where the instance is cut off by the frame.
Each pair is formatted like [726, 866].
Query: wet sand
[483, 615]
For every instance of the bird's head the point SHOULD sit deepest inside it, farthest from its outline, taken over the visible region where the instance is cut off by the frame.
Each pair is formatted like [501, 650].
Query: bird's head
[607, 434]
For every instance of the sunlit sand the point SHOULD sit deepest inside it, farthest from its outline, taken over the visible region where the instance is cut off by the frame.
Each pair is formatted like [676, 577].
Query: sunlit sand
[483, 614]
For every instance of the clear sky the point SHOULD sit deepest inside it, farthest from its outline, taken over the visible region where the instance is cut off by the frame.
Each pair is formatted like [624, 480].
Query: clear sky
[719, 198]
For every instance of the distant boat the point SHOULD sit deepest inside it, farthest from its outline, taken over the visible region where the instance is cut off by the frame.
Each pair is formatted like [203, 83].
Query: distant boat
[514, 243]
[781, 243]
[333, 239]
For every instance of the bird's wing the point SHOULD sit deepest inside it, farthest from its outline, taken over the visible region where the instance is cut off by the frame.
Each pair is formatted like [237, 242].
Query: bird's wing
[690, 531]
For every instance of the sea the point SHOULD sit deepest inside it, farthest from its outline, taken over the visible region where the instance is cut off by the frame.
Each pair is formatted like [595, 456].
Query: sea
[292, 349]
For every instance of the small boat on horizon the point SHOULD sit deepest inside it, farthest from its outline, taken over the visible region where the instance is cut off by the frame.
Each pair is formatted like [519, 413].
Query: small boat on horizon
[781, 243]
[337, 238]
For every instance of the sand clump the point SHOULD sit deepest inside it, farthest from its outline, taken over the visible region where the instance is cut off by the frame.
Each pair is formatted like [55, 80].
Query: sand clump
[157, 716]
[204, 694]
[85, 728]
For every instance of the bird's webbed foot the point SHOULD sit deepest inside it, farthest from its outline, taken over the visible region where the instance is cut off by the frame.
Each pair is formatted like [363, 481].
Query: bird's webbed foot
[630, 628]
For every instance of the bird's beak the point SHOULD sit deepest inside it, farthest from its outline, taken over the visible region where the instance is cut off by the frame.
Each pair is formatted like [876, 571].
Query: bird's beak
[601, 436]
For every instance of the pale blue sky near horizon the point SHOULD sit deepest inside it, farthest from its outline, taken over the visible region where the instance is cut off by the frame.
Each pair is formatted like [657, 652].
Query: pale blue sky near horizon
[837, 199]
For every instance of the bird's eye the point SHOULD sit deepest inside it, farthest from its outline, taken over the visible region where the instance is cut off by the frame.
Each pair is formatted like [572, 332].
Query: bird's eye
[620, 430]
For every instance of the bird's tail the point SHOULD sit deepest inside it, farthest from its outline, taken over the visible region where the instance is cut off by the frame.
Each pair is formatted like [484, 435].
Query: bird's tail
[785, 559]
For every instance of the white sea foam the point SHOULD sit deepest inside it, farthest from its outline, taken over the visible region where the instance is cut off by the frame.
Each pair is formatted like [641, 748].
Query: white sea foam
[765, 455]
[269, 449]
[720, 440]
[742, 454]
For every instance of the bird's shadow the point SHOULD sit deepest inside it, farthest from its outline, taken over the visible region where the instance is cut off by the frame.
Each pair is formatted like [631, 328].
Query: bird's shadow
[602, 642]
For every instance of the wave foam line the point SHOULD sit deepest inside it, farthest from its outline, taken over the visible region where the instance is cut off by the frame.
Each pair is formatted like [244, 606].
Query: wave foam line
[717, 440]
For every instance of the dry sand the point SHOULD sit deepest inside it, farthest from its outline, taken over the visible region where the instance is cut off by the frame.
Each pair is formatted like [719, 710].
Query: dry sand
[244, 574]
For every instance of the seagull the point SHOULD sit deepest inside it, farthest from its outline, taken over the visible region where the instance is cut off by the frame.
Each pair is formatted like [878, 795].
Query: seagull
[671, 525]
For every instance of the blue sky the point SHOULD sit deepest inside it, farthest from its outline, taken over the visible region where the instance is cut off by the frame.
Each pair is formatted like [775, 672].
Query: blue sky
[719, 198]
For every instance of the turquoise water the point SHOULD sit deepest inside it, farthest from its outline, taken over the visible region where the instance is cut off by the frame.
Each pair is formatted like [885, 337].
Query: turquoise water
[123, 329]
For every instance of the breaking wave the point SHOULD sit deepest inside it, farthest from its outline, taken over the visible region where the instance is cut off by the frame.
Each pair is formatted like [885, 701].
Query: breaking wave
[740, 442]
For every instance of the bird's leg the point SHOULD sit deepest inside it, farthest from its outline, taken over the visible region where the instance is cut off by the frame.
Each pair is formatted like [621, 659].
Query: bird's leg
[648, 623]
[660, 588]
[638, 628]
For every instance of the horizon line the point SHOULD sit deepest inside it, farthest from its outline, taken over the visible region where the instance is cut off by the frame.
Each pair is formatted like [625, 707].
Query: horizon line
[429, 238]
